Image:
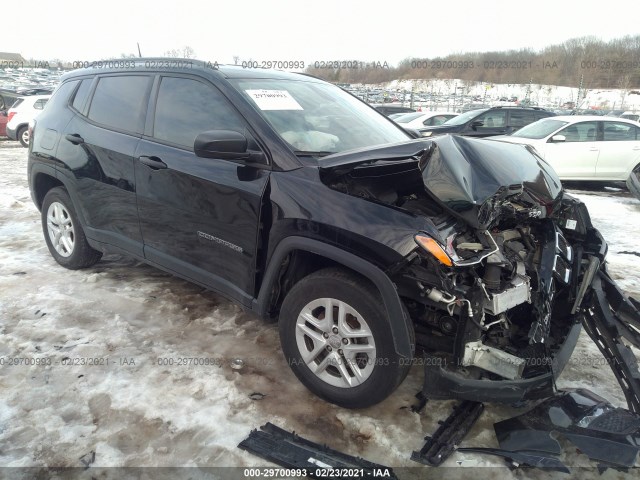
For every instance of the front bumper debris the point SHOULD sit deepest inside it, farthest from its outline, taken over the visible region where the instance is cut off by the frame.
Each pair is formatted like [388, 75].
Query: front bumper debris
[318, 461]
[604, 433]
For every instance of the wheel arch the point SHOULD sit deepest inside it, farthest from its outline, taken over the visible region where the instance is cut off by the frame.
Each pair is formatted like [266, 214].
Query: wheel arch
[42, 183]
[310, 255]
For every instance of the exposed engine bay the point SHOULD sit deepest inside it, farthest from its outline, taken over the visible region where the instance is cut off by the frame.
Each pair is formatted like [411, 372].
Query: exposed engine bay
[500, 286]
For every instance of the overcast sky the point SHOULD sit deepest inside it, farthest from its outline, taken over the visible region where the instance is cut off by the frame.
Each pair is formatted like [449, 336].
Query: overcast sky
[289, 30]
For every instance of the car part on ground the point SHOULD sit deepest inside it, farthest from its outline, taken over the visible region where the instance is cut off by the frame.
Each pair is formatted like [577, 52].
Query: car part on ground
[612, 317]
[291, 451]
[522, 458]
[605, 433]
[439, 446]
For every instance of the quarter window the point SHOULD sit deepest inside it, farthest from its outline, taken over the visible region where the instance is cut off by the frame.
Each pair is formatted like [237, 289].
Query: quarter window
[186, 108]
[81, 94]
[39, 104]
[118, 102]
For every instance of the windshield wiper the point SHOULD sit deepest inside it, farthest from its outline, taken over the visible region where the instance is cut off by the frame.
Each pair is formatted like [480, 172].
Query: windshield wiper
[309, 153]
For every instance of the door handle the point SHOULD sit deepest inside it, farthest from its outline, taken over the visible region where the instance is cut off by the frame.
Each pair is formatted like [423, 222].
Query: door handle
[593, 149]
[636, 148]
[74, 138]
[152, 161]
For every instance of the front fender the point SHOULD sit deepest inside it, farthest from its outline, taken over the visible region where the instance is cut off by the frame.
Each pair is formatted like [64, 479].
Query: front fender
[398, 321]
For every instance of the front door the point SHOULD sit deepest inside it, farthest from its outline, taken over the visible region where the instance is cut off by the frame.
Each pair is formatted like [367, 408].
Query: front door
[199, 217]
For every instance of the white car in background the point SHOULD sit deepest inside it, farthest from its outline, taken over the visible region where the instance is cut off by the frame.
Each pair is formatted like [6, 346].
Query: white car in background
[423, 119]
[21, 113]
[586, 148]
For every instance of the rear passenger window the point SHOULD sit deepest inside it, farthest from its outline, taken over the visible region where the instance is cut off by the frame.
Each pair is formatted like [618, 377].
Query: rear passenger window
[186, 108]
[118, 102]
[39, 104]
[81, 94]
[520, 118]
[619, 132]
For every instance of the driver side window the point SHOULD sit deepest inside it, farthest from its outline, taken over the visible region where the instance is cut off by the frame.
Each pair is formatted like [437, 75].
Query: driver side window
[186, 107]
[581, 132]
[492, 119]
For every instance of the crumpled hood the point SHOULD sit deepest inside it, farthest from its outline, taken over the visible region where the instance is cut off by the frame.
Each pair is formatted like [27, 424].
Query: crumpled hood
[469, 177]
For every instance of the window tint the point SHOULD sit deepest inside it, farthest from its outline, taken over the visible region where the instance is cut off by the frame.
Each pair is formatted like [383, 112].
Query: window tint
[186, 108]
[617, 132]
[118, 102]
[492, 119]
[520, 118]
[580, 132]
[538, 115]
[81, 94]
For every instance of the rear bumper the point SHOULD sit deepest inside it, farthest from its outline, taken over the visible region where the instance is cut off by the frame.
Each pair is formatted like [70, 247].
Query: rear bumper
[11, 133]
[440, 383]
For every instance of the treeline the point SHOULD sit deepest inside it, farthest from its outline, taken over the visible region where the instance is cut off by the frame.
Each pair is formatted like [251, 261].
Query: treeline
[587, 60]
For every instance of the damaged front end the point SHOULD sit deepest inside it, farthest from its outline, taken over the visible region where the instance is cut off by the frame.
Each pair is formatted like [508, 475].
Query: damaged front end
[509, 270]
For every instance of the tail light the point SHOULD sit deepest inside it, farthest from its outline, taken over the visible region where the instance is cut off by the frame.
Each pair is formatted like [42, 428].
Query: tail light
[10, 115]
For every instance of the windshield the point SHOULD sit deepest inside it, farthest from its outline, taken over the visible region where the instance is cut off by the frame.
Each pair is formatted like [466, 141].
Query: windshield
[539, 129]
[465, 117]
[318, 117]
[407, 117]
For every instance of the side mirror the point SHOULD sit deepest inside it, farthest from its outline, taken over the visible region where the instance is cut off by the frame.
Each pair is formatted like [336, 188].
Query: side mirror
[225, 144]
[3, 113]
[558, 138]
[476, 124]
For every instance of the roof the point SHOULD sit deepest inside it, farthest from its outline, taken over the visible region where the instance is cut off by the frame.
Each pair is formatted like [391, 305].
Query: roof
[593, 118]
[188, 65]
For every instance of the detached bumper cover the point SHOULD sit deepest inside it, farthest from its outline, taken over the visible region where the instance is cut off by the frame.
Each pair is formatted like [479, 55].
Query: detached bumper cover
[440, 383]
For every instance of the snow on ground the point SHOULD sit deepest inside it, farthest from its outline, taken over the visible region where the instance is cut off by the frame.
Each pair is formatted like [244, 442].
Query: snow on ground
[133, 412]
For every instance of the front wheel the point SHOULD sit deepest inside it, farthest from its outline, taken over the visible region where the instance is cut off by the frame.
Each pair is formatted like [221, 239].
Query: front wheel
[337, 339]
[633, 182]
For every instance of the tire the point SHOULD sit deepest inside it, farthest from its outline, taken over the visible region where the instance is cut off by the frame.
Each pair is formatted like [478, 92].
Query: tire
[355, 360]
[633, 182]
[23, 136]
[63, 233]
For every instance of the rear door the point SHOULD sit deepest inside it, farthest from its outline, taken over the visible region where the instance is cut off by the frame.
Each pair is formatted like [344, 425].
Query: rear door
[98, 148]
[577, 156]
[199, 216]
[619, 150]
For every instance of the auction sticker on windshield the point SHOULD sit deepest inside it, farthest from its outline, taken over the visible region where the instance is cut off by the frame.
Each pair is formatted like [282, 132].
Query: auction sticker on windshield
[274, 100]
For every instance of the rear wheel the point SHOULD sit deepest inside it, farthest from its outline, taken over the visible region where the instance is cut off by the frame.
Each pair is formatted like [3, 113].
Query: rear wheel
[337, 339]
[63, 233]
[23, 136]
[633, 182]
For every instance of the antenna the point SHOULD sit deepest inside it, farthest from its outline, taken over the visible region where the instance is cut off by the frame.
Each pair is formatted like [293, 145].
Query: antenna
[139, 54]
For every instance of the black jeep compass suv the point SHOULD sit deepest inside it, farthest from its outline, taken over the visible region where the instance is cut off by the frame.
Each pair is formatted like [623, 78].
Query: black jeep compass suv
[303, 204]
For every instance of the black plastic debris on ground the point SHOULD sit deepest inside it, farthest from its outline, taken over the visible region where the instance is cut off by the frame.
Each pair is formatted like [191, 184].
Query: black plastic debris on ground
[601, 431]
[522, 458]
[292, 451]
[450, 433]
